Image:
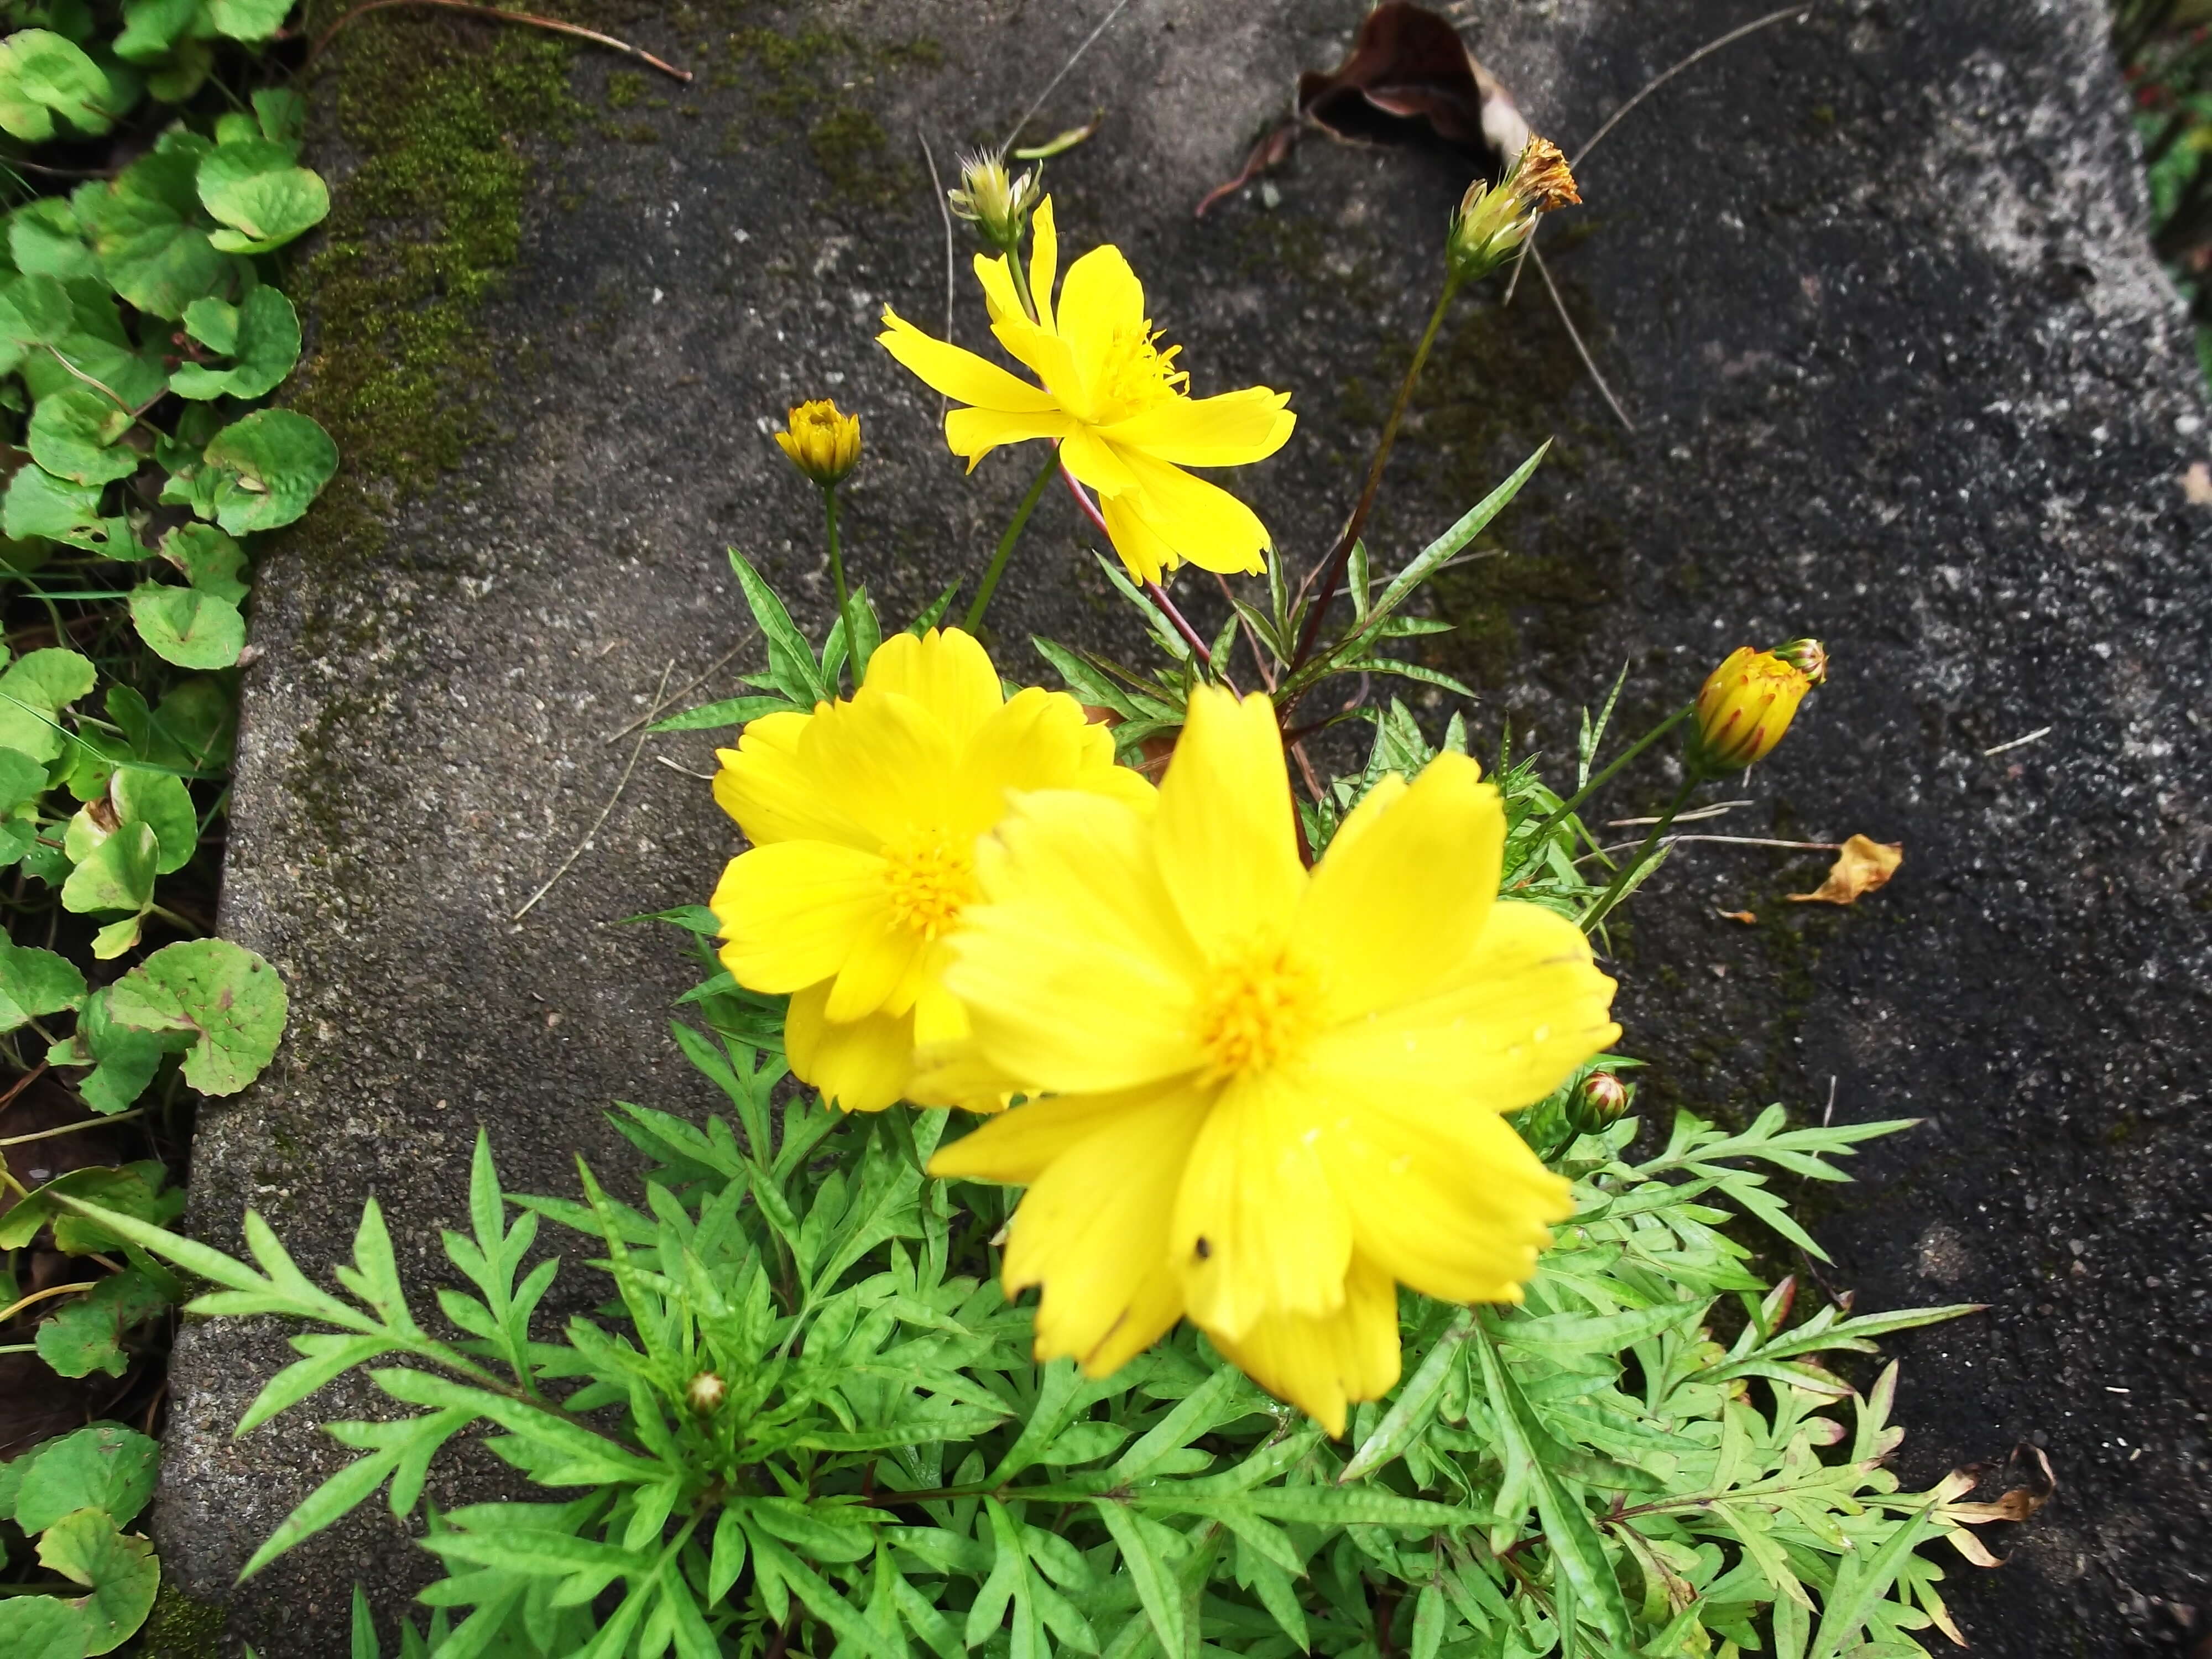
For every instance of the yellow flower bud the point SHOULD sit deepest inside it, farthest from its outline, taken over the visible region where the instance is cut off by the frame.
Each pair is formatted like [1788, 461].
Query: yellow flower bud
[822, 443]
[706, 1393]
[1748, 703]
[996, 204]
[1494, 220]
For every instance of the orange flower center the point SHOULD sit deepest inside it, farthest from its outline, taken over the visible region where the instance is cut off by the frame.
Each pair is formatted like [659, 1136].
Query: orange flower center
[1259, 1009]
[930, 879]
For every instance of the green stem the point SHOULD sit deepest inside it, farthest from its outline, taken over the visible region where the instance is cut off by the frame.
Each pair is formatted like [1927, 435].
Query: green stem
[1331, 575]
[844, 598]
[1014, 528]
[1574, 801]
[179, 923]
[1621, 877]
[1021, 276]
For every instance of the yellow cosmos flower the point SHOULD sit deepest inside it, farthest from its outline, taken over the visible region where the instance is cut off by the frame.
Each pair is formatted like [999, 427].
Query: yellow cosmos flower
[864, 816]
[1746, 704]
[1274, 1094]
[822, 441]
[1116, 403]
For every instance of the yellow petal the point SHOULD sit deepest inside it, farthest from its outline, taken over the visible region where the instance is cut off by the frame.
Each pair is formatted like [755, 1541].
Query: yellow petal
[881, 971]
[958, 373]
[972, 434]
[1446, 1198]
[1324, 1365]
[1096, 464]
[946, 672]
[1205, 523]
[860, 1066]
[1232, 429]
[999, 299]
[1142, 552]
[1525, 1007]
[1044, 259]
[1092, 1231]
[1040, 739]
[1258, 1227]
[1076, 972]
[791, 912]
[1395, 909]
[1226, 846]
[773, 796]
[1046, 355]
[884, 762]
[1101, 304]
[1015, 1148]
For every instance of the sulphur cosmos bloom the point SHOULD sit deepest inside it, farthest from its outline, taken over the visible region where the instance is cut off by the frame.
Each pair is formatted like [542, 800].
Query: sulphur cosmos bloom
[1273, 1095]
[863, 817]
[1119, 408]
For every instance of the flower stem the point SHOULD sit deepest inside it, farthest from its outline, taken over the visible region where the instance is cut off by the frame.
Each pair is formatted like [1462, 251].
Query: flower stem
[1331, 573]
[1574, 801]
[837, 576]
[1621, 877]
[1014, 528]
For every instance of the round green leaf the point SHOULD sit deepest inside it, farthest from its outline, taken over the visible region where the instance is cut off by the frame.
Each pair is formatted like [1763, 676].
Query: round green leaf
[227, 995]
[102, 1466]
[33, 691]
[42, 1627]
[36, 310]
[209, 560]
[160, 801]
[86, 1334]
[61, 509]
[189, 628]
[122, 1574]
[32, 983]
[146, 227]
[43, 75]
[261, 194]
[268, 469]
[73, 434]
[263, 334]
[151, 27]
[248, 20]
[118, 875]
[44, 240]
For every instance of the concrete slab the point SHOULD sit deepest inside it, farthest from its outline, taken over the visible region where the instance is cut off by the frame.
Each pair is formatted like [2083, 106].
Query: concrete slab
[1875, 290]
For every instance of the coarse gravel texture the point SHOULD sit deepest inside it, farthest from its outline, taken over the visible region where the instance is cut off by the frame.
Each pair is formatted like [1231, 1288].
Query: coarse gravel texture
[1875, 290]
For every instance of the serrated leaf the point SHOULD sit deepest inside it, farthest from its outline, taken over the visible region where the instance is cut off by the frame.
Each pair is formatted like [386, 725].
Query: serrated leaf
[226, 995]
[730, 711]
[103, 1466]
[792, 668]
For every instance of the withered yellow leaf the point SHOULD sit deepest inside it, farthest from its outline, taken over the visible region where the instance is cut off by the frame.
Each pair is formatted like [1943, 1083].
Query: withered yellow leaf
[1860, 867]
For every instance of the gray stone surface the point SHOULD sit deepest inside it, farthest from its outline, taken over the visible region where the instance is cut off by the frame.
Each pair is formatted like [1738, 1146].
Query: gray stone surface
[1905, 375]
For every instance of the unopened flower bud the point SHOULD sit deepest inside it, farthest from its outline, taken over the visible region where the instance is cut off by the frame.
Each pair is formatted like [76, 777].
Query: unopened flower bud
[706, 1394]
[1605, 1099]
[1748, 703]
[1494, 220]
[822, 443]
[996, 204]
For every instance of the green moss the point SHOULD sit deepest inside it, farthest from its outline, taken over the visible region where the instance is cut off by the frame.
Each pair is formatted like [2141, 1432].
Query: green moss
[422, 231]
[805, 79]
[624, 88]
[181, 1628]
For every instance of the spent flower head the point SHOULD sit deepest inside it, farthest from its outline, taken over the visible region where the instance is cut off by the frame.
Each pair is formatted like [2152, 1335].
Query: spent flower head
[997, 203]
[863, 817]
[1748, 703]
[822, 441]
[1263, 1097]
[1494, 220]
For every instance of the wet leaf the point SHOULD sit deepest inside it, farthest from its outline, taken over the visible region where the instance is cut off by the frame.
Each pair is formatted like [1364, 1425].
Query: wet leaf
[1860, 867]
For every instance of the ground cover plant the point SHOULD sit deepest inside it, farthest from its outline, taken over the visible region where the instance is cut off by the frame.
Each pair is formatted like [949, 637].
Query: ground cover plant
[2164, 48]
[152, 185]
[1370, 1321]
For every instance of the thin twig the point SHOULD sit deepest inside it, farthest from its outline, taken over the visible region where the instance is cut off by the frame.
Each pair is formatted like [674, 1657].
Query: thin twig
[945, 209]
[1053, 85]
[679, 766]
[530, 18]
[1803, 9]
[1730, 841]
[1712, 811]
[71, 1128]
[685, 690]
[1576, 335]
[22, 1084]
[2035, 736]
[607, 811]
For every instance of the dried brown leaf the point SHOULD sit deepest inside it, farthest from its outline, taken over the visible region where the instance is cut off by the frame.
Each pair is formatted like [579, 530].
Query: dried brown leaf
[1860, 867]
